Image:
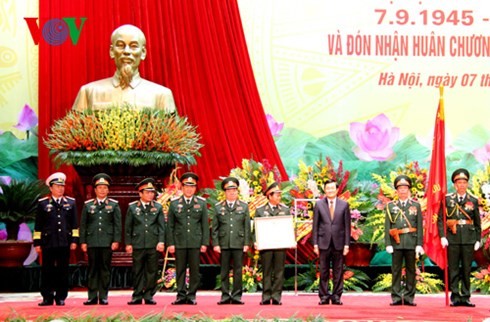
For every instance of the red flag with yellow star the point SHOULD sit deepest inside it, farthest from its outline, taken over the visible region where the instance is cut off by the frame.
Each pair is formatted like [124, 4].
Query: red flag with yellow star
[436, 190]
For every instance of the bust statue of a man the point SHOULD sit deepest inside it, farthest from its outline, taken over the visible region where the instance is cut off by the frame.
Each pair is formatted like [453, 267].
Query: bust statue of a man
[128, 49]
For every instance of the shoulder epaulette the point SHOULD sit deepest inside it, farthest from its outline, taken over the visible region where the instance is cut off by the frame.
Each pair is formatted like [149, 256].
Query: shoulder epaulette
[263, 206]
[89, 201]
[174, 198]
[44, 198]
[69, 198]
[283, 205]
[133, 202]
[449, 194]
[472, 195]
[113, 200]
[201, 198]
[222, 202]
[157, 202]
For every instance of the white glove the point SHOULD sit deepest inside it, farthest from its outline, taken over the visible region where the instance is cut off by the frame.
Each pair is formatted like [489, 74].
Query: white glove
[419, 251]
[477, 246]
[444, 242]
[389, 249]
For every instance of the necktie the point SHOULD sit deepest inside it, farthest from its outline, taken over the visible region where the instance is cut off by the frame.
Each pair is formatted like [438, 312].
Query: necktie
[187, 201]
[58, 202]
[274, 208]
[460, 199]
[332, 208]
[403, 204]
[230, 205]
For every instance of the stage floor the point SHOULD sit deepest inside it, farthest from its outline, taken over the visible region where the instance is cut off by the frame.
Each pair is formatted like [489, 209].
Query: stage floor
[301, 306]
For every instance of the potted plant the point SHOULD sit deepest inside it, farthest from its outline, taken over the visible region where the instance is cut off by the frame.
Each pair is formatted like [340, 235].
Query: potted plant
[18, 204]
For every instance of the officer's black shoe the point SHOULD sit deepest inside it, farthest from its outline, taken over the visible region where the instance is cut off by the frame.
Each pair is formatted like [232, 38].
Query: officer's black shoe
[179, 302]
[324, 302]
[233, 301]
[45, 303]
[276, 302]
[191, 302]
[103, 302]
[135, 302]
[60, 302]
[222, 302]
[90, 302]
[337, 302]
[455, 303]
[396, 303]
[410, 303]
[268, 302]
[150, 302]
[467, 303]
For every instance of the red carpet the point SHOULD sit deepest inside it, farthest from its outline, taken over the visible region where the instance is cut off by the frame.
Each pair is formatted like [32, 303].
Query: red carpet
[357, 306]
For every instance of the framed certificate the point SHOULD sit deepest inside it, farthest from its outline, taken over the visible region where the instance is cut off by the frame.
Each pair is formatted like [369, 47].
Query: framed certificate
[274, 232]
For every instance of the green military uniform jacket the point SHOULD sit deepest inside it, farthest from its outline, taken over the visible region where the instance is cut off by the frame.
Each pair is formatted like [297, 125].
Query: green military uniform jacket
[188, 224]
[144, 228]
[100, 225]
[399, 217]
[465, 233]
[231, 226]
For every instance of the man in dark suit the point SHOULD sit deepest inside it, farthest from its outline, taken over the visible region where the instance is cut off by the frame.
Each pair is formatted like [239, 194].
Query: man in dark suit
[145, 239]
[272, 260]
[55, 234]
[100, 235]
[331, 238]
[187, 237]
[461, 236]
[231, 238]
[403, 239]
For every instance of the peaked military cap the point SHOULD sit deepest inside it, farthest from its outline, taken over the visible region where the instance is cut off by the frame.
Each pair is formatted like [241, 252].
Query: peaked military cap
[58, 178]
[148, 184]
[402, 180]
[274, 187]
[230, 183]
[189, 179]
[460, 174]
[101, 179]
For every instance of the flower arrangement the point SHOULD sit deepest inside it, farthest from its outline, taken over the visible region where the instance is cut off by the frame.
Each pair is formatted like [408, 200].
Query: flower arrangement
[354, 280]
[426, 283]
[480, 280]
[480, 187]
[123, 135]
[254, 177]
[169, 279]
[251, 279]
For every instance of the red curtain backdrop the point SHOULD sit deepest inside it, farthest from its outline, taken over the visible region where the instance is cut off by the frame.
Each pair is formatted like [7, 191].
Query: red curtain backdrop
[195, 47]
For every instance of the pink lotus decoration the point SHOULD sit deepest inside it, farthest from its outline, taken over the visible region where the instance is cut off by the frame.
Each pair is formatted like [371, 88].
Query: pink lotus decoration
[483, 154]
[274, 126]
[375, 139]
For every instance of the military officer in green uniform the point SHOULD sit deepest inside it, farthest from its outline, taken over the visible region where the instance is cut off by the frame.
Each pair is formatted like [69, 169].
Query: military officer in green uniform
[461, 235]
[145, 239]
[231, 238]
[403, 239]
[273, 260]
[100, 235]
[55, 234]
[187, 237]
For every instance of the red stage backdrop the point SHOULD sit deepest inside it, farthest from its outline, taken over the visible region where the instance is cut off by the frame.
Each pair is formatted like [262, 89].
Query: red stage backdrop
[195, 47]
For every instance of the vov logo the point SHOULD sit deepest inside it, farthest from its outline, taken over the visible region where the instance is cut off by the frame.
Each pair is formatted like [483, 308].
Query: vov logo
[56, 31]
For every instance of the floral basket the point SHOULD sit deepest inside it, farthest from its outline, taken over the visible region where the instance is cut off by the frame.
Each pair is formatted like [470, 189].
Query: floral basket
[123, 136]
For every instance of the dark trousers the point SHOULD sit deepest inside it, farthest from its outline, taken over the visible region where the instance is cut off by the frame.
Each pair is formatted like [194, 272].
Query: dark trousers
[273, 273]
[99, 272]
[54, 273]
[459, 258]
[408, 293]
[336, 258]
[145, 273]
[227, 256]
[187, 257]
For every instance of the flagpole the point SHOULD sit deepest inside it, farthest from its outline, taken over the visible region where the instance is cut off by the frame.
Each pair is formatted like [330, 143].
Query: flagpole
[446, 275]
